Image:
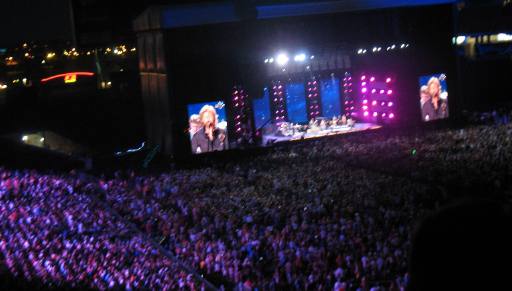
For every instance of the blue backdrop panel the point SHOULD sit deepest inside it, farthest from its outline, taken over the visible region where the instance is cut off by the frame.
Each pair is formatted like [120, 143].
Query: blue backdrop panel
[261, 109]
[331, 99]
[296, 103]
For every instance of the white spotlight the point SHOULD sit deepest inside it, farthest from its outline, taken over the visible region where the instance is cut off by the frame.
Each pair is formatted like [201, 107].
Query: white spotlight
[24, 138]
[364, 51]
[393, 47]
[360, 51]
[379, 48]
[402, 46]
[300, 57]
[271, 60]
[266, 61]
[282, 59]
[374, 49]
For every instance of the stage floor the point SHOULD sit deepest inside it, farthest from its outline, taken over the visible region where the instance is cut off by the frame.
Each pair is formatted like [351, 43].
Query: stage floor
[269, 139]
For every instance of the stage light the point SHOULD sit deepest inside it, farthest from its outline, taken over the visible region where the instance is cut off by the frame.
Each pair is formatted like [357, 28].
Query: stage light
[363, 84]
[364, 90]
[372, 79]
[374, 49]
[390, 92]
[364, 51]
[390, 104]
[379, 49]
[382, 103]
[365, 101]
[365, 113]
[375, 114]
[381, 91]
[374, 90]
[266, 61]
[363, 77]
[388, 80]
[360, 51]
[393, 47]
[365, 107]
[300, 57]
[402, 46]
[271, 60]
[24, 138]
[312, 57]
[391, 115]
[374, 102]
[383, 114]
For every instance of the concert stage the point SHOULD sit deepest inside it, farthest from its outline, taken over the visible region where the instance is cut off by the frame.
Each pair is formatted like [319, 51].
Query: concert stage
[302, 135]
[217, 77]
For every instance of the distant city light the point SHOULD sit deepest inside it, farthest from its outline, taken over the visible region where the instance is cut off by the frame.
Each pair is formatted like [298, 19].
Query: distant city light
[67, 74]
[503, 37]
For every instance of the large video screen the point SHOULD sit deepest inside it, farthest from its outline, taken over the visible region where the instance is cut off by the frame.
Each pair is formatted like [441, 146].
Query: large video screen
[208, 127]
[433, 97]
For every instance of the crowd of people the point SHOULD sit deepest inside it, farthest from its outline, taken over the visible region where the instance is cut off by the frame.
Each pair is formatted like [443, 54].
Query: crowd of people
[53, 234]
[299, 216]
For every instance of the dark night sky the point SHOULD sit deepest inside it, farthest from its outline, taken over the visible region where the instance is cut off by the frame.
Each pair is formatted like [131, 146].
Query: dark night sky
[22, 20]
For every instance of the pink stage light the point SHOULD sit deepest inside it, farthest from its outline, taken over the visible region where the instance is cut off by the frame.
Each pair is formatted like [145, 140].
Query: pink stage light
[383, 114]
[382, 103]
[390, 104]
[374, 90]
[388, 80]
[374, 102]
[375, 114]
[372, 79]
[349, 78]
[391, 115]
[363, 84]
[364, 90]
[390, 92]
[363, 77]
[365, 107]
[381, 91]
[365, 113]
[365, 101]
[346, 102]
